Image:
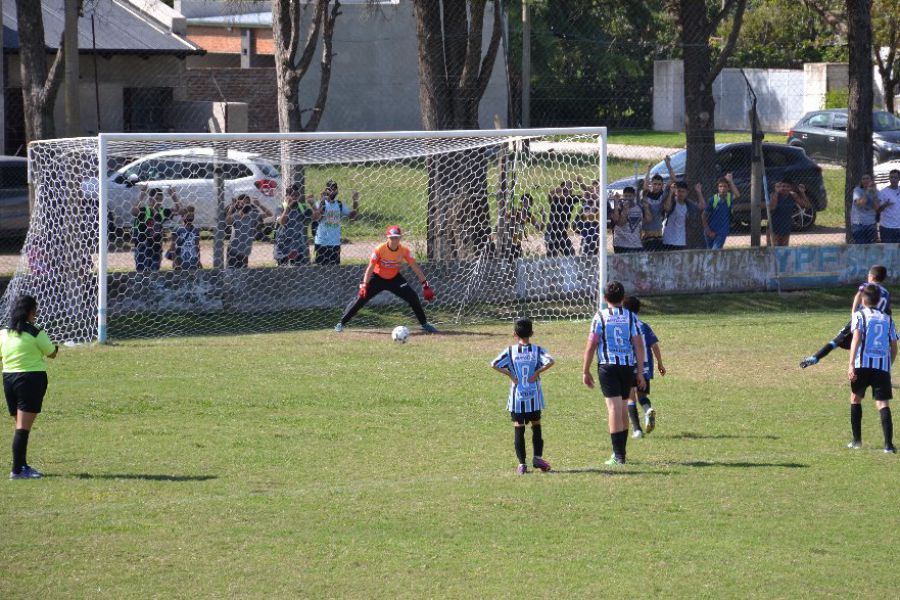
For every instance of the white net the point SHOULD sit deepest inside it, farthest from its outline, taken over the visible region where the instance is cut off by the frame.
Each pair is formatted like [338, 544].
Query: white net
[220, 235]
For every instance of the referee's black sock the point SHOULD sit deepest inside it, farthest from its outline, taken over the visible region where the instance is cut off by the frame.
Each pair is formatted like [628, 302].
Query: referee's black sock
[856, 421]
[537, 440]
[633, 416]
[619, 439]
[520, 444]
[887, 426]
[20, 450]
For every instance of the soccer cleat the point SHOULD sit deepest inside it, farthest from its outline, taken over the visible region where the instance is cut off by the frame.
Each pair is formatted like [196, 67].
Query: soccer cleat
[429, 328]
[890, 450]
[809, 360]
[613, 460]
[650, 419]
[26, 473]
[638, 434]
[855, 445]
[521, 470]
[540, 463]
[339, 327]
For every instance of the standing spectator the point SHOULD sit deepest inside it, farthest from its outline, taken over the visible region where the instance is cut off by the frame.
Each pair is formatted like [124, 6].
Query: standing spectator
[244, 216]
[864, 212]
[676, 208]
[185, 248]
[716, 214]
[628, 217]
[562, 201]
[520, 218]
[23, 347]
[291, 243]
[147, 228]
[328, 229]
[889, 203]
[654, 196]
[589, 217]
[782, 206]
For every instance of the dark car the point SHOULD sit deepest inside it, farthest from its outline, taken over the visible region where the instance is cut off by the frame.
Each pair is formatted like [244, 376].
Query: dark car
[780, 161]
[13, 198]
[823, 135]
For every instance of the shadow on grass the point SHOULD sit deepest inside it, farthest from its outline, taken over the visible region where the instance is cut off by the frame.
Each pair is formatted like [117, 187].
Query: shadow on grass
[740, 464]
[146, 477]
[598, 471]
[687, 435]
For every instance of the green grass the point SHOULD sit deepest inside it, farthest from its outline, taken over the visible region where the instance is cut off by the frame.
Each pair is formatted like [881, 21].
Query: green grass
[311, 464]
[676, 139]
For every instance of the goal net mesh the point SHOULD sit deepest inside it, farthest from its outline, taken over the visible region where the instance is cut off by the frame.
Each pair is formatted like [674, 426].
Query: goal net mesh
[219, 236]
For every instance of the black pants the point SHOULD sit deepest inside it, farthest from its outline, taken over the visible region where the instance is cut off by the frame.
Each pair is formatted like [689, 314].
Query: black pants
[397, 286]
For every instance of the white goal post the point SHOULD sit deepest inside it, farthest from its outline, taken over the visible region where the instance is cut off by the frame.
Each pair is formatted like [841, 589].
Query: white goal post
[141, 234]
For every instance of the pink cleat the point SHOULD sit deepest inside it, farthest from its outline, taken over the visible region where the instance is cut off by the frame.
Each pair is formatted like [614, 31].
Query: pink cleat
[540, 463]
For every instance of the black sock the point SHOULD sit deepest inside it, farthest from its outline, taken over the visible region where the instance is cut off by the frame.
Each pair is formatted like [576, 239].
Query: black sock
[537, 440]
[520, 444]
[633, 417]
[856, 421]
[887, 426]
[645, 403]
[20, 450]
[619, 439]
[624, 442]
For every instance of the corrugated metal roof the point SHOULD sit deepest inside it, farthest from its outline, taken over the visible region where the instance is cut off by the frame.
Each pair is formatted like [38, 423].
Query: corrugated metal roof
[120, 28]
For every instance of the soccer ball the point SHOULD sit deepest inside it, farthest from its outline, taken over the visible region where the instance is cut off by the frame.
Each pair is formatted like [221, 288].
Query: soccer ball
[400, 334]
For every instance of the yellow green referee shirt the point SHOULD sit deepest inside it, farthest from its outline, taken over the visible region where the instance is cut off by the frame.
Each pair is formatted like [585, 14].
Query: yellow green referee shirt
[25, 352]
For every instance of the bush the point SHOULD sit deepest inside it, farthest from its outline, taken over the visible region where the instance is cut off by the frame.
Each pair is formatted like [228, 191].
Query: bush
[837, 98]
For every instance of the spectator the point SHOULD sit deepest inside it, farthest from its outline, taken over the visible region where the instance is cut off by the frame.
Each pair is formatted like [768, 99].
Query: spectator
[562, 201]
[520, 218]
[589, 217]
[864, 211]
[147, 227]
[244, 216]
[782, 206]
[628, 218]
[676, 208]
[889, 204]
[328, 230]
[654, 196]
[716, 214]
[291, 243]
[184, 252]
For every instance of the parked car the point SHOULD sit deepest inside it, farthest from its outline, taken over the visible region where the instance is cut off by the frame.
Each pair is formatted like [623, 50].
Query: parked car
[881, 172]
[189, 172]
[823, 135]
[13, 198]
[780, 161]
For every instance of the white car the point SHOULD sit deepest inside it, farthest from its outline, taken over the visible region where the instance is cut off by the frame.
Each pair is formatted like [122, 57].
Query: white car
[880, 172]
[189, 173]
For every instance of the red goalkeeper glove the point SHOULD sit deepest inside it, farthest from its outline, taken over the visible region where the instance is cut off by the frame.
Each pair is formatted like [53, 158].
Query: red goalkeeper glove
[363, 288]
[427, 291]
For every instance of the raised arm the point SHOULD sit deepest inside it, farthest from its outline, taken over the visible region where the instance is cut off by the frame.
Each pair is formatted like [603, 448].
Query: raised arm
[734, 191]
[142, 199]
[668, 161]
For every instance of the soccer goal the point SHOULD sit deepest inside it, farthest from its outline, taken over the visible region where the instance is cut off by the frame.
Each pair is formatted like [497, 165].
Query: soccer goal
[147, 235]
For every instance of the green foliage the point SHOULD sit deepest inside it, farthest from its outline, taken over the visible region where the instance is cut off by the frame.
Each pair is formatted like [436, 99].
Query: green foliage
[837, 98]
[293, 466]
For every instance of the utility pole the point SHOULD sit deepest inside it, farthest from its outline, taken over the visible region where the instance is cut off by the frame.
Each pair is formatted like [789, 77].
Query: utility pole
[70, 43]
[526, 66]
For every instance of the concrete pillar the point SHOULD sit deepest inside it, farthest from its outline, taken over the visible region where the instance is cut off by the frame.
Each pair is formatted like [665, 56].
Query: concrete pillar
[820, 78]
[668, 95]
[246, 48]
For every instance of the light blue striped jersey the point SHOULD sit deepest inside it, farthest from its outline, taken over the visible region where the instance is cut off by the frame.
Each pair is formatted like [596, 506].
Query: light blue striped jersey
[522, 360]
[877, 332]
[613, 327]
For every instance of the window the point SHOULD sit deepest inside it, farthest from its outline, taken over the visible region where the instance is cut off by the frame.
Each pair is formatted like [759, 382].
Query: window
[146, 109]
[734, 159]
[236, 171]
[819, 120]
[840, 122]
[775, 158]
[885, 121]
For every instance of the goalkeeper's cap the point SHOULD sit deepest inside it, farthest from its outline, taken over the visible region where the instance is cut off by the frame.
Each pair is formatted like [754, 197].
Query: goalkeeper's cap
[394, 231]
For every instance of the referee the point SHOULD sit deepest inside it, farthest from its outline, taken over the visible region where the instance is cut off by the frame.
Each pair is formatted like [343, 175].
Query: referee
[22, 349]
[383, 273]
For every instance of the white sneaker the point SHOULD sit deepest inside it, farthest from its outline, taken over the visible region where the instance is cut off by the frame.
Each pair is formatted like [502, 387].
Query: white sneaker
[650, 419]
[638, 434]
[854, 445]
[339, 327]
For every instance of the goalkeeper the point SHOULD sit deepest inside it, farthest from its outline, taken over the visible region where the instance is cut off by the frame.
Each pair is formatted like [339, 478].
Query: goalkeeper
[383, 273]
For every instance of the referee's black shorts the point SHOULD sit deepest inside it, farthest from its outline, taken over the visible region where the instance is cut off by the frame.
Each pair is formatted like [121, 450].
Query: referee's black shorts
[877, 379]
[25, 391]
[616, 380]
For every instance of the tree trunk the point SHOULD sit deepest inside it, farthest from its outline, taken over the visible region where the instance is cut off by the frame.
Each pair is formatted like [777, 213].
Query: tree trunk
[859, 117]
[39, 85]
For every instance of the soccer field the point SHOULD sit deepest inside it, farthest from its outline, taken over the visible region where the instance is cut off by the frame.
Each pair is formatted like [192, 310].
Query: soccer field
[315, 464]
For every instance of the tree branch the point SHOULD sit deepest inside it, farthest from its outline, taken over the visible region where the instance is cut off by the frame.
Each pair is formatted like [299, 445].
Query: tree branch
[729, 45]
[325, 65]
[836, 20]
[487, 64]
[312, 38]
[55, 74]
[719, 17]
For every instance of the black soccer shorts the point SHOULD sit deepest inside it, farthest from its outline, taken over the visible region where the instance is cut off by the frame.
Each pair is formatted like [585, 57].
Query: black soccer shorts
[616, 380]
[25, 391]
[526, 417]
[878, 380]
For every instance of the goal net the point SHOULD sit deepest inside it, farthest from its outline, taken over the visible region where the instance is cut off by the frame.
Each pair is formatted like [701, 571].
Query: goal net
[230, 233]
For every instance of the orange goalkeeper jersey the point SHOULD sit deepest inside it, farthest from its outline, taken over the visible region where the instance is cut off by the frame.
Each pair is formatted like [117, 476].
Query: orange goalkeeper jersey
[387, 262]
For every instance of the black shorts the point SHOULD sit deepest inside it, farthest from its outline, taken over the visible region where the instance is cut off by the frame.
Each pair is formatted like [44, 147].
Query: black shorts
[879, 380]
[646, 390]
[527, 417]
[25, 391]
[615, 380]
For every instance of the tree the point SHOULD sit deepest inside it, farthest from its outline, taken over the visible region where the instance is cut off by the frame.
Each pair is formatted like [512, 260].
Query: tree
[696, 25]
[454, 70]
[859, 112]
[40, 85]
